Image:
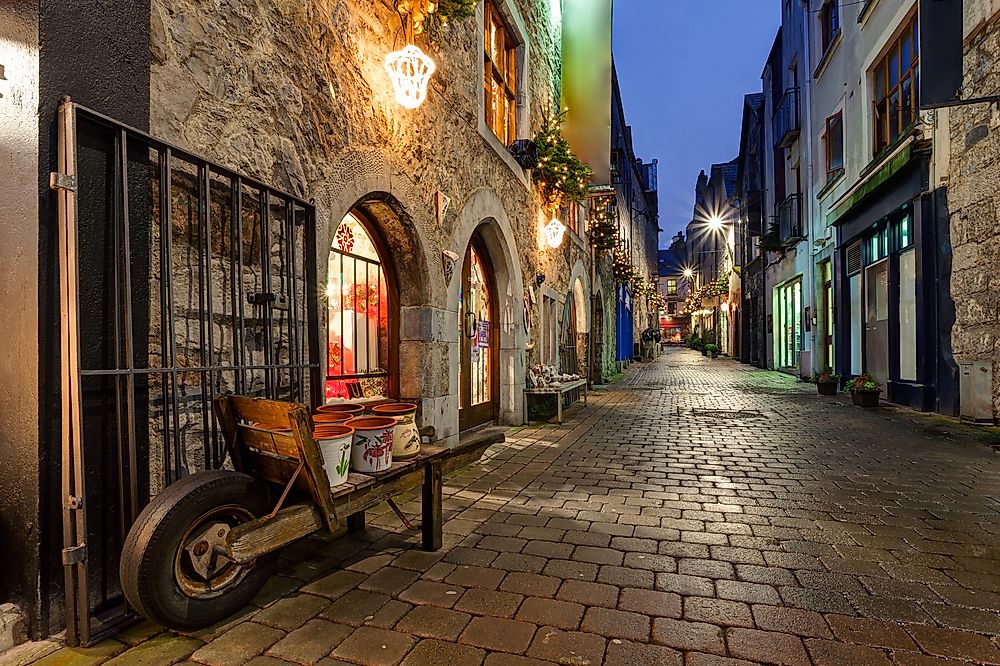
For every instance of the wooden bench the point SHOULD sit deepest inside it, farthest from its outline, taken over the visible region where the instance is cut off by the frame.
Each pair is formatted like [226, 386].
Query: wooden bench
[291, 461]
[559, 392]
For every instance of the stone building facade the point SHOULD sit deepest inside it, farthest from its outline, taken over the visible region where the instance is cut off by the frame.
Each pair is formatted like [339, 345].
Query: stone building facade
[973, 198]
[295, 95]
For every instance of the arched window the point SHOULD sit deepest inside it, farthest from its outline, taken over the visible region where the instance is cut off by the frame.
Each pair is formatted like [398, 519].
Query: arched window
[362, 312]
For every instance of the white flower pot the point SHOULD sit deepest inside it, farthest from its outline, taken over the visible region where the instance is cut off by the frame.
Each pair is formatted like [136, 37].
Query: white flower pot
[372, 448]
[335, 444]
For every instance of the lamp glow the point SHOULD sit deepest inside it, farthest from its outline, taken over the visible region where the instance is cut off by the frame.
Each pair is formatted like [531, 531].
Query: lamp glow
[716, 223]
[688, 273]
[409, 70]
[554, 232]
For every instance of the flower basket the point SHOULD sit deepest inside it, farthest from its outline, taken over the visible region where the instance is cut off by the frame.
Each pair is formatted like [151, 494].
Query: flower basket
[828, 387]
[867, 399]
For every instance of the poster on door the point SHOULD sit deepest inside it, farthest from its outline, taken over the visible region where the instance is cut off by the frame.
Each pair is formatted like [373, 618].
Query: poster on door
[483, 334]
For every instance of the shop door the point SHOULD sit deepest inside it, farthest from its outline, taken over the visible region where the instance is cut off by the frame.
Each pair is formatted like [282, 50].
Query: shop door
[478, 368]
[877, 320]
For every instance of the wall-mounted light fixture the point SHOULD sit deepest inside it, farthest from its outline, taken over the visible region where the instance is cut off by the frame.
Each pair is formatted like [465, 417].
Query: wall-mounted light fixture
[409, 71]
[554, 232]
[539, 279]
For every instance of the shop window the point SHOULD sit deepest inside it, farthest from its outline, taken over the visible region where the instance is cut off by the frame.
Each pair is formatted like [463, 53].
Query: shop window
[788, 336]
[904, 233]
[361, 313]
[894, 82]
[829, 23]
[833, 141]
[878, 246]
[671, 287]
[908, 315]
[499, 75]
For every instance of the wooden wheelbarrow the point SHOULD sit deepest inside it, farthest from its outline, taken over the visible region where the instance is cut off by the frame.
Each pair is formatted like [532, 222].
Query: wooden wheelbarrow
[205, 546]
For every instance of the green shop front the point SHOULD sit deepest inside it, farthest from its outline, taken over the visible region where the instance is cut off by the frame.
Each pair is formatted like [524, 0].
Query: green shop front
[892, 310]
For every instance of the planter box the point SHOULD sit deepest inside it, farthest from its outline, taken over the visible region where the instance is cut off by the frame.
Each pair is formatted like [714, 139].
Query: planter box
[826, 388]
[867, 399]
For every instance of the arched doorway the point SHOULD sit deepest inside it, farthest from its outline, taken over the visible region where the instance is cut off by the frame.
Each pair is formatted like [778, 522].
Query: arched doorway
[478, 376]
[362, 313]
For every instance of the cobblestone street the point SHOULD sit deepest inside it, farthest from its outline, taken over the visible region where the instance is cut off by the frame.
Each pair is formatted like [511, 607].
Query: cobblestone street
[699, 512]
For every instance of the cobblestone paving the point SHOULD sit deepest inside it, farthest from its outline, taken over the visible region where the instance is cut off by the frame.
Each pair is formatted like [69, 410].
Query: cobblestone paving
[698, 513]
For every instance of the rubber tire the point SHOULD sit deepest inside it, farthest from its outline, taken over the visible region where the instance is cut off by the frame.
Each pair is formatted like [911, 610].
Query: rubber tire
[147, 563]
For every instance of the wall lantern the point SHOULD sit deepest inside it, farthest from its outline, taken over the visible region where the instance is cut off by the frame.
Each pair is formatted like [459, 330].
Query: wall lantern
[409, 71]
[554, 232]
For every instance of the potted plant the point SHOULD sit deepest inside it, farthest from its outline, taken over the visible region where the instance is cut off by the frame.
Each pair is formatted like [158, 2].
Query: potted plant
[712, 349]
[826, 383]
[694, 341]
[864, 390]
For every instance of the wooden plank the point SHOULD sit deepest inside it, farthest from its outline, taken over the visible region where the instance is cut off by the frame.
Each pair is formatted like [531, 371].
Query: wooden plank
[268, 440]
[259, 410]
[227, 423]
[319, 482]
[249, 541]
[430, 508]
[352, 503]
[273, 469]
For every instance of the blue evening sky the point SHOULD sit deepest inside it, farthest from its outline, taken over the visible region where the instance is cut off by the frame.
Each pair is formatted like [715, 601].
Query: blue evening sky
[684, 66]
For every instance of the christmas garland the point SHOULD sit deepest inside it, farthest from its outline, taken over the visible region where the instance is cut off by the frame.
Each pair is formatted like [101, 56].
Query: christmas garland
[559, 175]
[602, 228]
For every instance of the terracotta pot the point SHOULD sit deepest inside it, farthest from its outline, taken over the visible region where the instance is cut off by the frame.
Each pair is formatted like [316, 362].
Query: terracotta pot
[331, 417]
[341, 408]
[866, 399]
[406, 437]
[334, 442]
[372, 448]
[826, 388]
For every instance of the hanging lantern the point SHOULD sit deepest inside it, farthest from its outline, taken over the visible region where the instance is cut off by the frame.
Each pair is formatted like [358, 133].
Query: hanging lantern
[554, 231]
[409, 70]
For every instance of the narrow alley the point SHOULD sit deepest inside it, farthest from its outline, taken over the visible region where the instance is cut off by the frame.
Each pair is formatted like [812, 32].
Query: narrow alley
[696, 510]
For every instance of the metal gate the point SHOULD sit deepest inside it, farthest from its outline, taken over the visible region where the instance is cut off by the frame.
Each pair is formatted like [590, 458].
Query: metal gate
[180, 280]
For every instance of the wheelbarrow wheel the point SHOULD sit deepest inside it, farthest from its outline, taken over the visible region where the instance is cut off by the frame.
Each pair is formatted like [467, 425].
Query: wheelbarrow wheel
[173, 568]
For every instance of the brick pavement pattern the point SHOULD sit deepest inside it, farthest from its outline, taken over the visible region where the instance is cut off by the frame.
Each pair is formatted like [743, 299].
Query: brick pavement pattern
[698, 513]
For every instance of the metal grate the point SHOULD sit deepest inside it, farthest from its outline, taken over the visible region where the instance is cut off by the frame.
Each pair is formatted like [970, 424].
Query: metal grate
[853, 258]
[180, 280]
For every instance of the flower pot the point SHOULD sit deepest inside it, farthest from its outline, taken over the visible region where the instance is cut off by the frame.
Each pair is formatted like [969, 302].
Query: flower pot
[715, 354]
[341, 408]
[826, 388]
[867, 399]
[406, 437]
[334, 442]
[372, 448]
[704, 353]
[330, 417]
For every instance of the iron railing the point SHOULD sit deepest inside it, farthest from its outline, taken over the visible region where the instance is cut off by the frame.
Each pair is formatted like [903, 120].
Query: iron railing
[180, 280]
[787, 122]
[790, 219]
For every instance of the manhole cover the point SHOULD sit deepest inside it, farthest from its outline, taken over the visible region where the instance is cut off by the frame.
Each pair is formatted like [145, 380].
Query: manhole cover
[729, 414]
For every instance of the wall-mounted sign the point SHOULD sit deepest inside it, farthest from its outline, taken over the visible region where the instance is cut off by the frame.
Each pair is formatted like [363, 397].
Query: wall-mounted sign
[483, 335]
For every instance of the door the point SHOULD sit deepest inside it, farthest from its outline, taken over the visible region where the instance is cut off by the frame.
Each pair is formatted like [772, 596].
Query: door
[877, 320]
[478, 367]
[826, 313]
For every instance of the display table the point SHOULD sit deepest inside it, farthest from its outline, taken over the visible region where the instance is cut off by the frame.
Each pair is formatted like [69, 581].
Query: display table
[558, 391]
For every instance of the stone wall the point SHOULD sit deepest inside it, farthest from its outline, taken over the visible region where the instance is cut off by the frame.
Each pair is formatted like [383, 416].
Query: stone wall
[974, 203]
[295, 94]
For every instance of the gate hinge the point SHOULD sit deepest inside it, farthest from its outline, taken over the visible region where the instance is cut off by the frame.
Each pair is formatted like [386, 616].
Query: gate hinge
[74, 502]
[74, 554]
[62, 181]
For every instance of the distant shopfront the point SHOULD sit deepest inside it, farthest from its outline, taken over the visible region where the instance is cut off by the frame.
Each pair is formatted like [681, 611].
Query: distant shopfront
[892, 310]
[788, 325]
